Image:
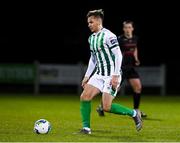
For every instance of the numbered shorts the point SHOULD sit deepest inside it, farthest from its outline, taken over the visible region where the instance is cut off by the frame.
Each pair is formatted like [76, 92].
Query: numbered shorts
[103, 83]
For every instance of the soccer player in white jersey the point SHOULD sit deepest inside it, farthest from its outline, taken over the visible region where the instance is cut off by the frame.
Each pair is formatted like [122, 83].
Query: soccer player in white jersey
[106, 57]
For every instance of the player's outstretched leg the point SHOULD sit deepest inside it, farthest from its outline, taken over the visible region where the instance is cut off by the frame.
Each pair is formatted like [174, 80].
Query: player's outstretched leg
[108, 106]
[122, 110]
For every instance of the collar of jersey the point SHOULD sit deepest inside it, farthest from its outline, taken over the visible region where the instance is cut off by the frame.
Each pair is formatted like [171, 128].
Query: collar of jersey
[98, 32]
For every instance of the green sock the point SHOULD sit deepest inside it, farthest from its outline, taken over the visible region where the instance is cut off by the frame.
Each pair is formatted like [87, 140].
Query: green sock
[121, 110]
[85, 108]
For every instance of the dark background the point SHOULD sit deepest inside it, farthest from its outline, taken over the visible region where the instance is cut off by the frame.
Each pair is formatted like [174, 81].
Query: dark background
[58, 32]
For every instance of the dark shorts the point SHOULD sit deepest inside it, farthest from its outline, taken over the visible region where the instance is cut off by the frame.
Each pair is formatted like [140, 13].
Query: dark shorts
[129, 73]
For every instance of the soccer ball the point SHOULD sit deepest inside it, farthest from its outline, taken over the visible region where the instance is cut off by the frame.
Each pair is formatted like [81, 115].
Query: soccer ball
[42, 126]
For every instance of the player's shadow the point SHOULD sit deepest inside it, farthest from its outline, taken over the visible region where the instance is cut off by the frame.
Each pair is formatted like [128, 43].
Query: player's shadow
[117, 138]
[152, 119]
[104, 134]
[102, 131]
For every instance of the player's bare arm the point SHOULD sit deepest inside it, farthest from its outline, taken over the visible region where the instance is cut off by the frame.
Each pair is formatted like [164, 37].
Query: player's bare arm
[137, 62]
[115, 81]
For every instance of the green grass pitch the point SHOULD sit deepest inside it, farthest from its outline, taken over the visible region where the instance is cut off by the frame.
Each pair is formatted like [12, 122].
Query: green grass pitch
[19, 112]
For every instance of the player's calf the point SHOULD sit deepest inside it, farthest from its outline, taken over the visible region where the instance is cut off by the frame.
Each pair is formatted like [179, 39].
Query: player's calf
[106, 107]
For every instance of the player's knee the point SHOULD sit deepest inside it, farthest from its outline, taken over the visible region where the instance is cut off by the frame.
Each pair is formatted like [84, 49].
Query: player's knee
[138, 89]
[85, 96]
[106, 107]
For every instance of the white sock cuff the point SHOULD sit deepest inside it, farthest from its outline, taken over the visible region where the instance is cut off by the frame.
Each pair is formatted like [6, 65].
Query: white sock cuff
[134, 113]
[86, 128]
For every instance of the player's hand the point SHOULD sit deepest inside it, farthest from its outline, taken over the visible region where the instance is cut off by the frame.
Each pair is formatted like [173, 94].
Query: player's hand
[115, 81]
[84, 81]
[137, 62]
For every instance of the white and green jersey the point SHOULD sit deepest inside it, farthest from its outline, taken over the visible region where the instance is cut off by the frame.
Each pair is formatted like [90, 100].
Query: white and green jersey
[101, 45]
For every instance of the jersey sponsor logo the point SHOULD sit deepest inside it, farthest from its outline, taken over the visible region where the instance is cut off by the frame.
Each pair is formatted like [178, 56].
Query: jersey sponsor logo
[113, 41]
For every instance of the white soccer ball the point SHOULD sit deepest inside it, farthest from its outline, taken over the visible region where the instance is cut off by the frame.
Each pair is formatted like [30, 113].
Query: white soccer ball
[42, 126]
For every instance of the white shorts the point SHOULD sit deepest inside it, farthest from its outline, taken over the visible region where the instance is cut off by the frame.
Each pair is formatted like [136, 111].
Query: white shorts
[103, 83]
